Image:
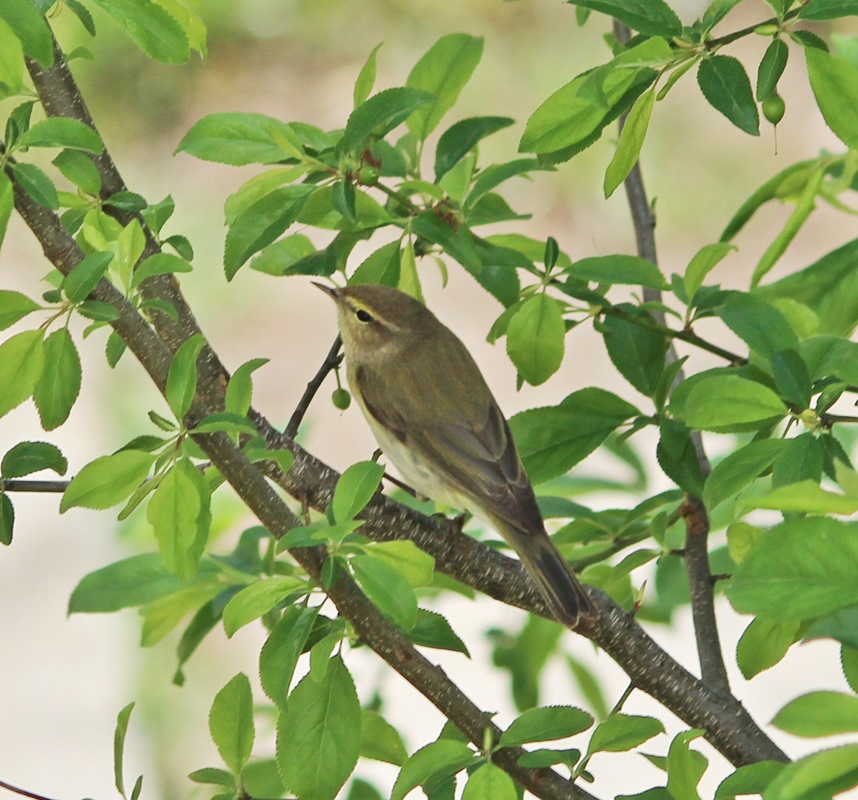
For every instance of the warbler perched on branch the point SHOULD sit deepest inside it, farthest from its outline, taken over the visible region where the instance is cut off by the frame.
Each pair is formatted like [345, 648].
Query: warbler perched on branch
[436, 419]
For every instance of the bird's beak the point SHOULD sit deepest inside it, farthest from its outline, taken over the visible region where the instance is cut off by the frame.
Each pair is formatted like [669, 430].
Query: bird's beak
[331, 291]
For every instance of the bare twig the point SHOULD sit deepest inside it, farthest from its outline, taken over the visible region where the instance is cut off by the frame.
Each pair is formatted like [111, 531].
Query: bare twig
[23, 792]
[712, 668]
[331, 362]
[19, 485]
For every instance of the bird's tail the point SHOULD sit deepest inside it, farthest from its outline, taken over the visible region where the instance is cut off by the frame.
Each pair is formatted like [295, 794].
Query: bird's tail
[553, 577]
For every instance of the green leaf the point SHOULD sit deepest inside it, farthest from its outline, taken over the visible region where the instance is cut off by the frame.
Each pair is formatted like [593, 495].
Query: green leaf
[7, 203]
[798, 570]
[366, 77]
[119, 746]
[14, 306]
[750, 779]
[535, 338]
[494, 175]
[621, 269]
[240, 138]
[279, 258]
[685, 767]
[262, 223]
[239, 390]
[443, 72]
[442, 757]
[26, 458]
[21, 361]
[258, 599]
[653, 17]
[678, 457]
[85, 275]
[739, 469]
[380, 267]
[489, 782]
[726, 86]
[819, 775]
[828, 9]
[829, 287]
[380, 741]
[386, 588]
[11, 65]
[231, 722]
[835, 86]
[819, 714]
[355, 489]
[7, 519]
[215, 777]
[726, 403]
[758, 323]
[159, 264]
[800, 459]
[131, 582]
[182, 377]
[806, 496]
[36, 184]
[840, 626]
[62, 132]
[575, 114]
[282, 648]
[701, 265]
[381, 114]
[771, 68]
[30, 27]
[763, 644]
[545, 724]
[433, 630]
[630, 142]
[156, 33]
[552, 440]
[792, 377]
[417, 567]
[637, 352]
[318, 736]
[622, 732]
[461, 137]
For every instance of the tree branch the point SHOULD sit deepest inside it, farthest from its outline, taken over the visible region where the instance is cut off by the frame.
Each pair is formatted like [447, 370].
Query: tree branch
[23, 486]
[331, 362]
[712, 668]
[729, 728]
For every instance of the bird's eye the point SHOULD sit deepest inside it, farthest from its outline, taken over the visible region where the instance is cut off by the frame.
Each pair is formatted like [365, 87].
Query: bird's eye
[363, 316]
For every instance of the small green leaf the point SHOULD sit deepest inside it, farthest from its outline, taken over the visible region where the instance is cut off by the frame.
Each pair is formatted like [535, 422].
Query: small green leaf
[701, 265]
[806, 496]
[7, 203]
[380, 741]
[792, 377]
[156, 32]
[7, 519]
[461, 137]
[417, 567]
[823, 774]
[685, 767]
[231, 722]
[366, 77]
[62, 132]
[282, 648]
[239, 390]
[800, 459]
[819, 714]
[85, 275]
[536, 338]
[798, 570]
[355, 489]
[771, 68]
[739, 469]
[36, 184]
[758, 323]
[279, 258]
[622, 732]
[14, 306]
[119, 746]
[26, 458]
[442, 72]
[637, 352]
[30, 27]
[258, 599]
[763, 644]
[630, 142]
[159, 264]
[21, 361]
[442, 757]
[750, 779]
[489, 782]
[182, 377]
[726, 86]
[653, 17]
[835, 86]
[239, 139]
[380, 114]
[318, 736]
[387, 589]
[545, 724]
[725, 403]
[433, 630]
[622, 269]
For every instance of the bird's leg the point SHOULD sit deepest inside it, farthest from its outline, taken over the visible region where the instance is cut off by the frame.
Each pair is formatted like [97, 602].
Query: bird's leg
[396, 482]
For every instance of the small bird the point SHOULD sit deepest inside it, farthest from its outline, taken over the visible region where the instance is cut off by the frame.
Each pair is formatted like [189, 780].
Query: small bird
[435, 418]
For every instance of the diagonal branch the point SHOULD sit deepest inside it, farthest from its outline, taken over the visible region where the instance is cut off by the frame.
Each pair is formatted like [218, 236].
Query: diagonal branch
[729, 727]
[712, 668]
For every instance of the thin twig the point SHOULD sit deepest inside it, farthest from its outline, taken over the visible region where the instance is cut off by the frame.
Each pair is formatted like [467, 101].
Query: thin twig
[22, 792]
[18, 485]
[712, 667]
[331, 362]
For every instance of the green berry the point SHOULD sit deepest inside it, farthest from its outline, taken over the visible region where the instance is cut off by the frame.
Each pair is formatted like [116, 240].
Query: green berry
[774, 108]
[341, 399]
[368, 175]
